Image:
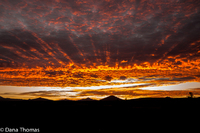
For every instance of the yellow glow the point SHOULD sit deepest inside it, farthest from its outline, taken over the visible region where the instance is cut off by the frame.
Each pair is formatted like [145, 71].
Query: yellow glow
[74, 75]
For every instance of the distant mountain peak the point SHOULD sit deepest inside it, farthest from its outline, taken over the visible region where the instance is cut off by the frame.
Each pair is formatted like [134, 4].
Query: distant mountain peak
[8, 99]
[1, 98]
[87, 99]
[40, 99]
[111, 98]
[64, 100]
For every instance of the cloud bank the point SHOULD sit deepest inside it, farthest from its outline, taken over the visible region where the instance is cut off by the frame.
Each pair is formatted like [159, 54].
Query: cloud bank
[126, 32]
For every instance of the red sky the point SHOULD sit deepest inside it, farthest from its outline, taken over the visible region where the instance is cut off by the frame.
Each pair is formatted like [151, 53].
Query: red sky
[89, 42]
[128, 32]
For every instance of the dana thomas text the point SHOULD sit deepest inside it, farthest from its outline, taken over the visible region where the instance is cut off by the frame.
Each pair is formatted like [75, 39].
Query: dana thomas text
[20, 129]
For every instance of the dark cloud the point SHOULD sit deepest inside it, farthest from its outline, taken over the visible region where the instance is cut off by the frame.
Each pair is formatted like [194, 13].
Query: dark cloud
[183, 79]
[165, 79]
[54, 73]
[78, 75]
[88, 31]
[108, 78]
[178, 63]
[53, 93]
[139, 93]
[122, 77]
[197, 75]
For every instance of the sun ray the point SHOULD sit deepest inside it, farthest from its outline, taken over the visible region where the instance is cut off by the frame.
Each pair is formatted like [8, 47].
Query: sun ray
[24, 50]
[47, 49]
[92, 43]
[79, 51]
[169, 50]
[65, 54]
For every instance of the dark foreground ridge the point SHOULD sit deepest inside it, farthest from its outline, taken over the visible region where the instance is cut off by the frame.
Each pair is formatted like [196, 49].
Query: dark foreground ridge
[110, 114]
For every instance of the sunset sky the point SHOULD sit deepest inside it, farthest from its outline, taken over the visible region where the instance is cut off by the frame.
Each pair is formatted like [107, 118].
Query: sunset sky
[128, 45]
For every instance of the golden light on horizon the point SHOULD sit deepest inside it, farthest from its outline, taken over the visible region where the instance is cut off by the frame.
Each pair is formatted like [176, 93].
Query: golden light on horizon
[97, 82]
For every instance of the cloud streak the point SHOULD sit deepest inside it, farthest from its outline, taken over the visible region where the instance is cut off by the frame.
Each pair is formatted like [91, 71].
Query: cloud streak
[123, 91]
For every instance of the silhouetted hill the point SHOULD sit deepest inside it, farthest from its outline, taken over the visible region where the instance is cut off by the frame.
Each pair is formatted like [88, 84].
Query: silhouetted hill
[87, 99]
[1, 98]
[99, 114]
[64, 100]
[40, 99]
[111, 98]
[9, 99]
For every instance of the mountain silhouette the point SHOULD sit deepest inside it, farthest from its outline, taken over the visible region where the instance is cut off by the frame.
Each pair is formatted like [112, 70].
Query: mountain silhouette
[87, 99]
[111, 98]
[64, 100]
[1, 97]
[9, 99]
[40, 99]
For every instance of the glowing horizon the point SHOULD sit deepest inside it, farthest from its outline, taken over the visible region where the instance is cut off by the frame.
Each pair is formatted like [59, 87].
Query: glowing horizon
[75, 93]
